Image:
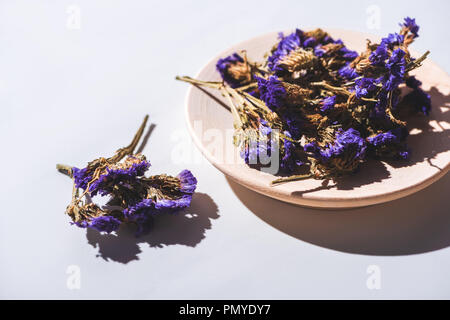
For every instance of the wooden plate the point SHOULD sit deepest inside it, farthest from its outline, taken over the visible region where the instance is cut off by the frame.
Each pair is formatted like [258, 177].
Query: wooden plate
[210, 125]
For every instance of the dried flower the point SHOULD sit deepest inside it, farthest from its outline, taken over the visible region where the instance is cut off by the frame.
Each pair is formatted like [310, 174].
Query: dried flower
[234, 70]
[379, 55]
[327, 103]
[347, 72]
[296, 60]
[340, 156]
[364, 86]
[284, 47]
[389, 144]
[119, 175]
[105, 223]
[136, 198]
[333, 108]
[411, 26]
[272, 92]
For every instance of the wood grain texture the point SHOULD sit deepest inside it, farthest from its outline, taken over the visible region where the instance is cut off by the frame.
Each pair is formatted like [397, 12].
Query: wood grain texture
[210, 125]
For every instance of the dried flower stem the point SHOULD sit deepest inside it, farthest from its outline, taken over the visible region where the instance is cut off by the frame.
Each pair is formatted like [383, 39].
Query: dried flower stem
[247, 87]
[234, 111]
[238, 94]
[389, 111]
[65, 169]
[325, 85]
[210, 84]
[416, 63]
[214, 84]
[291, 178]
[123, 152]
[120, 154]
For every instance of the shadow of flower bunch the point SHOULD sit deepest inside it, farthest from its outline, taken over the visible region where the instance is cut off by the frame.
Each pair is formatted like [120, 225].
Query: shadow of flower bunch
[186, 227]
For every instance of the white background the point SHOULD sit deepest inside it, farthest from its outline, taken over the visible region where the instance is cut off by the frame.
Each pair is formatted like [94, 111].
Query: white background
[70, 95]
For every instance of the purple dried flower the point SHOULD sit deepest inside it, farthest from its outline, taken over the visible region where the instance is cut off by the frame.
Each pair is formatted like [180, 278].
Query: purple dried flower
[309, 42]
[120, 174]
[347, 145]
[319, 51]
[327, 103]
[143, 206]
[389, 143]
[289, 161]
[379, 55]
[364, 86]
[105, 224]
[410, 24]
[383, 139]
[250, 151]
[396, 63]
[294, 123]
[311, 147]
[396, 70]
[141, 215]
[272, 92]
[348, 141]
[348, 54]
[139, 197]
[393, 39]
[180, 203]
[347, 72]
[264, 127]
[379, 110]
[81, 177]
[81, 224]
[234, 70]
[403, 155]
[284, 47]
[177, 196]
[254, 148]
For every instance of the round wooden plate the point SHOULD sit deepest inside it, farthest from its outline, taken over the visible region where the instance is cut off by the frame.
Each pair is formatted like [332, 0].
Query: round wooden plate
[210, 125]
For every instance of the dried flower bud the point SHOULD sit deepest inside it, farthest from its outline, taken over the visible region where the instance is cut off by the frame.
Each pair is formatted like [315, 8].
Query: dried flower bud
[297, 60]
[296, 95]
[317, 34]
[342, 155]
[235, 70]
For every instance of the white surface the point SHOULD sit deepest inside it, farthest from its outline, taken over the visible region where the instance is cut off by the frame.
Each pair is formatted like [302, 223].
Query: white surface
[72, 95]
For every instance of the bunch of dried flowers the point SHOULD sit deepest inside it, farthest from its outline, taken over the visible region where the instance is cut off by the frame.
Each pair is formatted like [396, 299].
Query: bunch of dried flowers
[134, 198]
[333, 108]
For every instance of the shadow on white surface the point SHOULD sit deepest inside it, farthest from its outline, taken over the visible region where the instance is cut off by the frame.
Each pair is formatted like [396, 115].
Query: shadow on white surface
[144, 142]
[186, 228]
[415, 224]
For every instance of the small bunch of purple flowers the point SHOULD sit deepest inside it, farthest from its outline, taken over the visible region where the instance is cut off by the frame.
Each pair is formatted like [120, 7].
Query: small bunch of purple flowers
[134, 198]
[335, 108]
